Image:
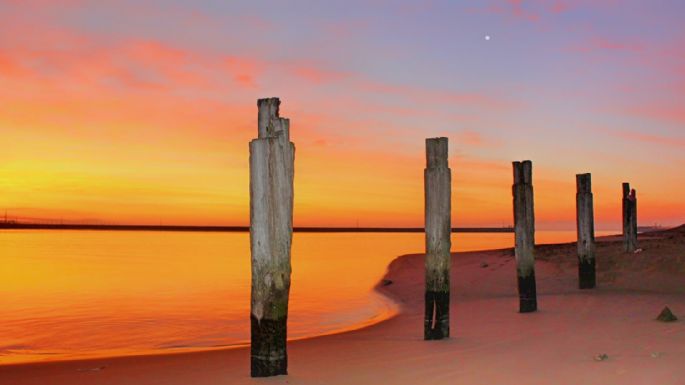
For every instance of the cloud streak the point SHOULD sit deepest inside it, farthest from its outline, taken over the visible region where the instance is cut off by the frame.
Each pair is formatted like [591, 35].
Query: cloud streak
[650, 138]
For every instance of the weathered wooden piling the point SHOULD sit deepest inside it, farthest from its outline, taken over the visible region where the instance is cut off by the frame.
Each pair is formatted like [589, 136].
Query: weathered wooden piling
[629, 218]
[585, 224]
[271, 209]
[524, 232]
[437, 190]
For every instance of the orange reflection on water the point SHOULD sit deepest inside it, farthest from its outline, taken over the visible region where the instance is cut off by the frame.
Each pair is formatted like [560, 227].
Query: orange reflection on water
[71, 294]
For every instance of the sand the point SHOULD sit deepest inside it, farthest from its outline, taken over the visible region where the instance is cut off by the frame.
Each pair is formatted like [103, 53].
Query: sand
[491, 342]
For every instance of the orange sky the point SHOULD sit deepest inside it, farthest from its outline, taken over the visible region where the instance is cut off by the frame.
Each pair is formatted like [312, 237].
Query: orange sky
[108, 113]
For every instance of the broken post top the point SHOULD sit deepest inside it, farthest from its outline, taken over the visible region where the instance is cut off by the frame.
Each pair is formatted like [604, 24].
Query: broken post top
[626, 189]
[436, 152]
[523, 172]
[584, 183]
[269, 123]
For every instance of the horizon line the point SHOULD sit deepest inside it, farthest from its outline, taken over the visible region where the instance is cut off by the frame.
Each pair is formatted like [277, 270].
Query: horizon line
[202, 228]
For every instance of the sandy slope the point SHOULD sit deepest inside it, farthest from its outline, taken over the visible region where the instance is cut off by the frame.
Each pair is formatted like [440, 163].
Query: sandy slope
[491, 344]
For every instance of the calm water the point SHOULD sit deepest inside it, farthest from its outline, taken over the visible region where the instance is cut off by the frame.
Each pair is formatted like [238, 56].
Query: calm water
[72, 294]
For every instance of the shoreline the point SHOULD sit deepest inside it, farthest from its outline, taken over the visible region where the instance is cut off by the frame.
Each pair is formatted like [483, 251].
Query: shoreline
[482, 348]
[380, 318]
[184, 228]
[389, 310]
[393, 306]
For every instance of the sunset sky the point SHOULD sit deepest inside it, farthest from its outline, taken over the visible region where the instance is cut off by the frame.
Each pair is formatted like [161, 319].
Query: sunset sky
[141, 111]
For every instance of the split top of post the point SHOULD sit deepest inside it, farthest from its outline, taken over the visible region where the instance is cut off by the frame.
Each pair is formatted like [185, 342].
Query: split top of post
[584, 183]
[436, 152]
[523, 172]
[270, 124]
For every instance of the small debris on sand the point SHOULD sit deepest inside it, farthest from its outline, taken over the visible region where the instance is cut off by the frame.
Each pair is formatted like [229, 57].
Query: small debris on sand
[666, 315]
[637, 251]
[602, 357]
[484, 264]
[99, 368]
[386, 282]
[656, 354]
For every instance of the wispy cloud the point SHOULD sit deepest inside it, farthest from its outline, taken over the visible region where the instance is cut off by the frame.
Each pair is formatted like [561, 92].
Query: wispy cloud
[475, 139]
[648, 138]
[535, 11]
[601, 44]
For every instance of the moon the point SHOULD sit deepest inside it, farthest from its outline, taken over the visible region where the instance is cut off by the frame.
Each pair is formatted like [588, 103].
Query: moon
[487, 37]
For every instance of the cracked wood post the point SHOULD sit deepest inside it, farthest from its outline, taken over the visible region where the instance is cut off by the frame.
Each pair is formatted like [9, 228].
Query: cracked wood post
[585, 225]
[524, 234]
[629, 218]
[271, 212]
[437, 190]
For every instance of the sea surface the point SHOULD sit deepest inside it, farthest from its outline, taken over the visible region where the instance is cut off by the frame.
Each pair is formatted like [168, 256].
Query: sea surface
[78, 294]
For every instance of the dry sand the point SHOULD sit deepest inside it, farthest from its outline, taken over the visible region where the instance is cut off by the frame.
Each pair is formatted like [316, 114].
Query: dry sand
[491, 343]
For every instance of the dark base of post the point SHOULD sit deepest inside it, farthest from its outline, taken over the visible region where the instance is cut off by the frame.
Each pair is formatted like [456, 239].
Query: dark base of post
[268, 351]
[586, 274]
[437, 319]
[528, 300]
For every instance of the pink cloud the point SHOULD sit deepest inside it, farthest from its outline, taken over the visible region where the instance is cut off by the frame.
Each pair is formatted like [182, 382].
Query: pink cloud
[46, 3]
[519, 11]
[87, 80]
[317, 75]
[673, 113]
[474, 139]
[536, 10]
[560, 7]
[661, 140]
[144, 63]
[601, 44]
[515, 9]
[244, 70]
[9, 67]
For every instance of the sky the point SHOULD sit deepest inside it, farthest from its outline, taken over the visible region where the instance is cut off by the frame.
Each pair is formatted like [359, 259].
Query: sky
[141, 112]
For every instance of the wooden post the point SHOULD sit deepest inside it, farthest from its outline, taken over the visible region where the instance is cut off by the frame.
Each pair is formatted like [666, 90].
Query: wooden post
[625, 210]
[585, 224]
[629, 218]
[437, 191]
[524, 232]
[271, 212]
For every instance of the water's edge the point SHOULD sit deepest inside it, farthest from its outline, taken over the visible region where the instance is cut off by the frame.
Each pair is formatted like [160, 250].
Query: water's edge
[388, 309]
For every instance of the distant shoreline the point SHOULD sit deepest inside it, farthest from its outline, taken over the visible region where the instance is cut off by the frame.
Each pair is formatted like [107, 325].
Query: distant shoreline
[30, 226]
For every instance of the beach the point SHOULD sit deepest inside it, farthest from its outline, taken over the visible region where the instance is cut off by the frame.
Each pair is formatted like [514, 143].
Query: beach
[491, 343]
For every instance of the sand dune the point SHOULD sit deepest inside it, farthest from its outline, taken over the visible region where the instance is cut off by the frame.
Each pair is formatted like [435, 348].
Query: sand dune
[491, 343]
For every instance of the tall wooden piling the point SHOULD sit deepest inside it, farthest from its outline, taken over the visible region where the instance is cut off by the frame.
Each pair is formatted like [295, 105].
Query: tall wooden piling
[629, 218]
[437, 190]
[271, 209]
[585, 225]
[524, 232]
